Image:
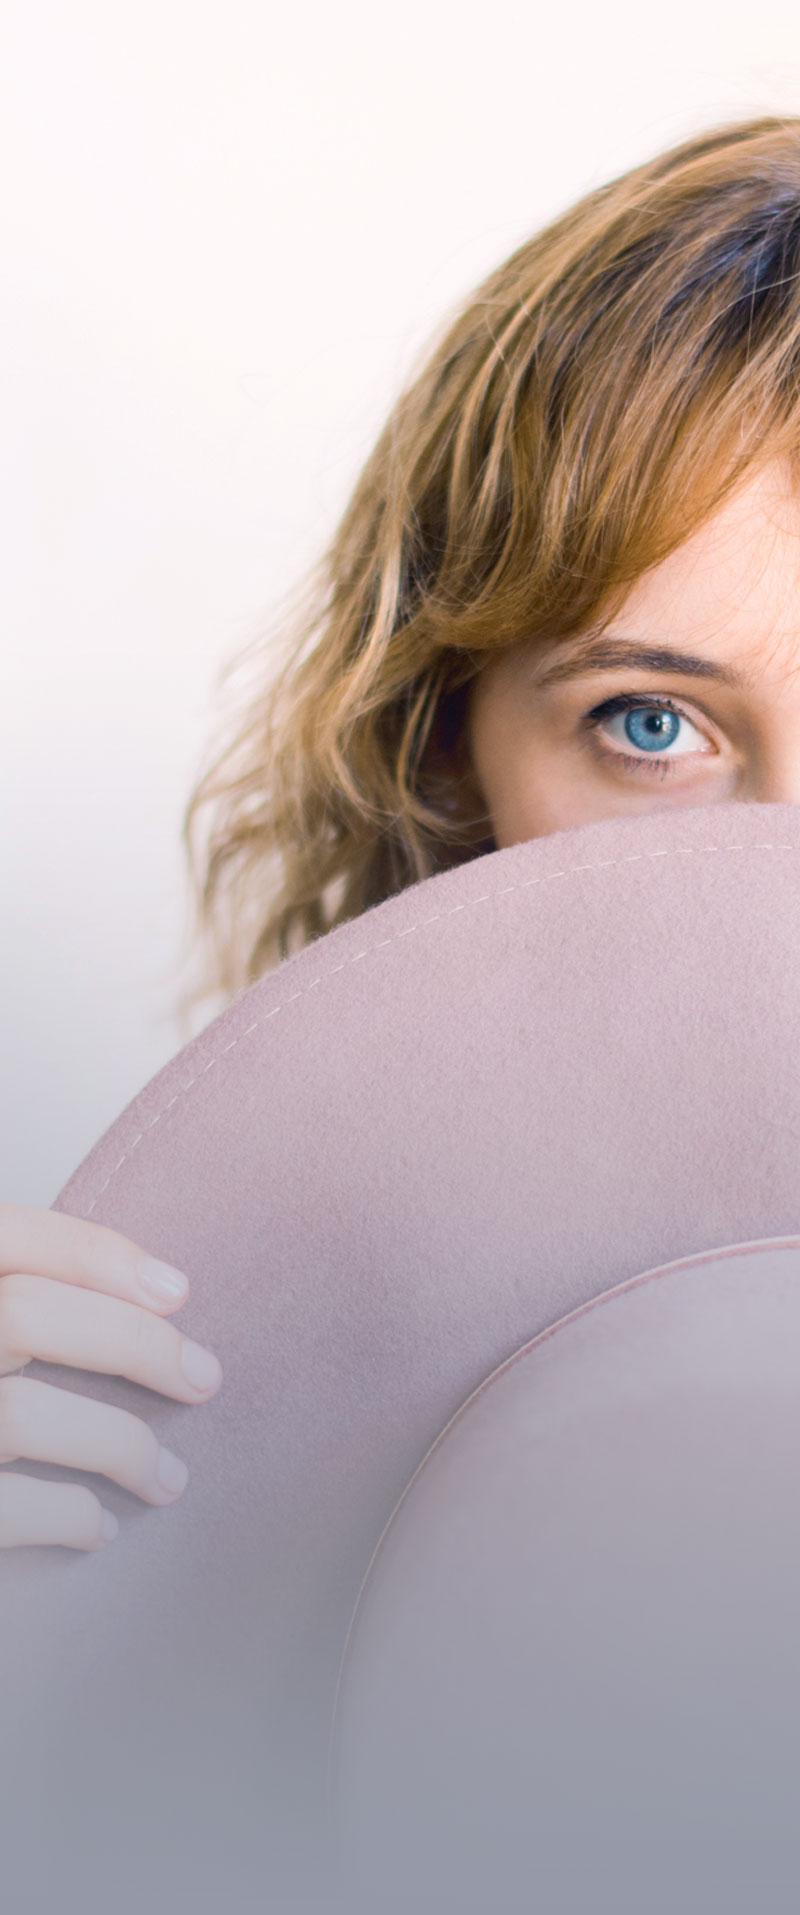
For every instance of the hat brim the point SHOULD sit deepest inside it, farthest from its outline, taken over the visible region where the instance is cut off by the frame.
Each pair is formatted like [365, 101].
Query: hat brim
[386, 1167]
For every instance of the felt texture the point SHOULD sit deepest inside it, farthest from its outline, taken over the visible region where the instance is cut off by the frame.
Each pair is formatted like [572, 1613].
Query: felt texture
[572, 1680]
[385, 1168]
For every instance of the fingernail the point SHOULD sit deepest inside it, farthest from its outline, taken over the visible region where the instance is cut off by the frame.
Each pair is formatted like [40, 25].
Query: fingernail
[200, 1368]
[162, 1280]
[110, 1526]
[171, 1473]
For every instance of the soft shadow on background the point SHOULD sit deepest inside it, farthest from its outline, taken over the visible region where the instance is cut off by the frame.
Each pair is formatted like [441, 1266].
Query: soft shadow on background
[225, 236]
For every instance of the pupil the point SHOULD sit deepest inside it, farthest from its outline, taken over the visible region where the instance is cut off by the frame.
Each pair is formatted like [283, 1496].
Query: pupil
[651, 729]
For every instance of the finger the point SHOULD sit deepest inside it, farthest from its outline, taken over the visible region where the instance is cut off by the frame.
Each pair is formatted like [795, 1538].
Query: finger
[65, 1513]
[58, 1324]
[45, 1425]
[47, 1243]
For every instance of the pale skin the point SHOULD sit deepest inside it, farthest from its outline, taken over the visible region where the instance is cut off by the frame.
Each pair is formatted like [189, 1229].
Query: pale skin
[541, 757]
[80, 1294]
[729, 600]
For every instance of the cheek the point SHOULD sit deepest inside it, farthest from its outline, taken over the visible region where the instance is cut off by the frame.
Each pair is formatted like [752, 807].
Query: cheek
[536, 787]
[534, 809]
[531, 791]
[531, 783]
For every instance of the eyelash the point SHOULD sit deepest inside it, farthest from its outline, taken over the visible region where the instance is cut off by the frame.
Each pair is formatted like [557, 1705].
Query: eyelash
[633, 701]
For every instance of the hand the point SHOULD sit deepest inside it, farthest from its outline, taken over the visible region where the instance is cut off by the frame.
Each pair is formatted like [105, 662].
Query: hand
[79, 1293]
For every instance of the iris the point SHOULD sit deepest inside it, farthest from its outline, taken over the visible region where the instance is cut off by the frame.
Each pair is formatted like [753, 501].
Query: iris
[649, 728]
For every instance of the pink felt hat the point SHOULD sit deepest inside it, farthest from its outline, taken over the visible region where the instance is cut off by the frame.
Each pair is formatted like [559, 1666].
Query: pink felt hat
[484, 1584]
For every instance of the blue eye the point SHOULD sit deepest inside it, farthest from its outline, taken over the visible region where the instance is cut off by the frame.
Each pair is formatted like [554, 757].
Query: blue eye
[650, 729]
[655, 728]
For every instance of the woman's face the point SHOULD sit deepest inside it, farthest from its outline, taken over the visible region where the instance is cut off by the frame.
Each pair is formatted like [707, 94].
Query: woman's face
[691, 697]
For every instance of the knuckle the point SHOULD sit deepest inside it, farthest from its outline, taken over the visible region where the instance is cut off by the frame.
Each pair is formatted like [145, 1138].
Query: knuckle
[137, 1448]
[145, 1449]
[146, 1342]
[110, 1257]
[155, 1349]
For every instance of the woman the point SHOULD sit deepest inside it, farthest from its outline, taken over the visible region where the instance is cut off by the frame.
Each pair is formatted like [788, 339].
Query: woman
[567, 585]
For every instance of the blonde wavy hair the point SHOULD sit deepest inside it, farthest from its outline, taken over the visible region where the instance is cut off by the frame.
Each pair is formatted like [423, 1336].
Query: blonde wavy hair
[581, 415]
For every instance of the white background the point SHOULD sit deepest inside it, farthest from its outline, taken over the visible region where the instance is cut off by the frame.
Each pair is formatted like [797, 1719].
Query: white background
[226, 232]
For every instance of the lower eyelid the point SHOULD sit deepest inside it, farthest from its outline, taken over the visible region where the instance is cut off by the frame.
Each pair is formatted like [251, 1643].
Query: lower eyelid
[655, 763]
[652, 761]
[664, 763]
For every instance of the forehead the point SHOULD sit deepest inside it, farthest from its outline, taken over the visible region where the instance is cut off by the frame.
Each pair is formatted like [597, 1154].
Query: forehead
[732, 590]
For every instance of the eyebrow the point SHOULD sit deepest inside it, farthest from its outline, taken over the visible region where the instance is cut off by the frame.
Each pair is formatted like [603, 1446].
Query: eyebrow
[615, 654]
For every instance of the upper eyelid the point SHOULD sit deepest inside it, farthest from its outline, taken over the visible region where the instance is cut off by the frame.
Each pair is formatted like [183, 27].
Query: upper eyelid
[620, 701]
[693, 697]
